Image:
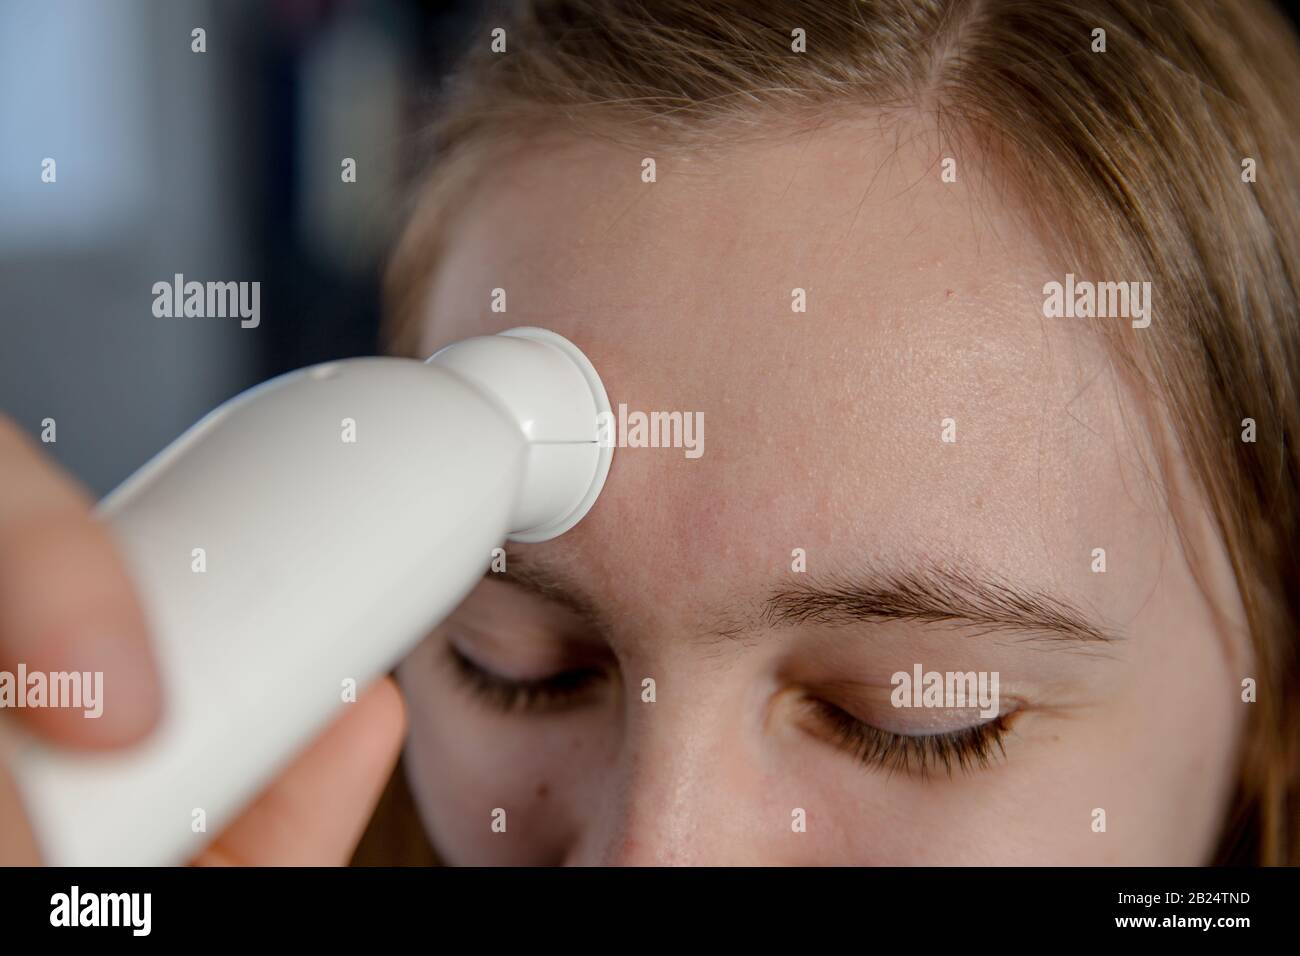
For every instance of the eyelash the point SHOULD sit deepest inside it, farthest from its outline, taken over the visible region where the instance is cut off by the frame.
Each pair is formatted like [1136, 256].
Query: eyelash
[528, 696]
[969, 748]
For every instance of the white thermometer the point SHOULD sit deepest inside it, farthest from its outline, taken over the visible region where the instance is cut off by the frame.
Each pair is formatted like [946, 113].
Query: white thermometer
[304, 535]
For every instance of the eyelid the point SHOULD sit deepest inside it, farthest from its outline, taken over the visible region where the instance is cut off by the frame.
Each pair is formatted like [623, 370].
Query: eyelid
[516, 622]
[933, 721]
[565, 690]
[519, 646]
[871, 701]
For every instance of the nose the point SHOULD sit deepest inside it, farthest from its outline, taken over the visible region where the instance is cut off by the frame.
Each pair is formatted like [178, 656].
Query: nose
[684, 790]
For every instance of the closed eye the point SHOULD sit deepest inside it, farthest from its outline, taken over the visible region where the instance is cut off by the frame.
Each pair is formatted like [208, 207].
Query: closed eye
[565, 690]
[966, 750]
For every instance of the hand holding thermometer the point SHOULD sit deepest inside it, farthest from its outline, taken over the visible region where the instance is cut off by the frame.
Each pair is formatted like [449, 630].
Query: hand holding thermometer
[342, 511]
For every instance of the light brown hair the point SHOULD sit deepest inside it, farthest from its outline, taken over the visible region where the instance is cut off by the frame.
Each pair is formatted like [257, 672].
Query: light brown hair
[1130, 162]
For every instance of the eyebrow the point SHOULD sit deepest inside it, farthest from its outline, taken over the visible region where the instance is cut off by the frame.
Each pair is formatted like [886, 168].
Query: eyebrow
[527, 575]
[929, 593]
[936, 594]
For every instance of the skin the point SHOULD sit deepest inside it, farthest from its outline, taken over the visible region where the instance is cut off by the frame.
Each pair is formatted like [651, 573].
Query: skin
[822, 432]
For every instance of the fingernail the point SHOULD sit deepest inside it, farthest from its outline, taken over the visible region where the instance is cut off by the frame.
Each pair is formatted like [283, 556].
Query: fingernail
[123, 681]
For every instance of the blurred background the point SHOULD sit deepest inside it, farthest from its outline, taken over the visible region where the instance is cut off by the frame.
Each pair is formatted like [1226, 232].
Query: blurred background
[222, 165]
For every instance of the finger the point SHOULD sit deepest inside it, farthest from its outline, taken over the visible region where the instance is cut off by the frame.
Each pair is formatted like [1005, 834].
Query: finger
[66, 606]
[314, 814]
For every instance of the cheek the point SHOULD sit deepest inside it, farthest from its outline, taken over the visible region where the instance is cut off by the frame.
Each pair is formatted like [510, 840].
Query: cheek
[466, 763]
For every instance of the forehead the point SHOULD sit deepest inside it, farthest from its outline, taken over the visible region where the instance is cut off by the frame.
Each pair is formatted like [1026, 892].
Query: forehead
[823, 428]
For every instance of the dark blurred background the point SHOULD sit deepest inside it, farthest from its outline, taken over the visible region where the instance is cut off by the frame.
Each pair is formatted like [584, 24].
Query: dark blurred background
[223, 165]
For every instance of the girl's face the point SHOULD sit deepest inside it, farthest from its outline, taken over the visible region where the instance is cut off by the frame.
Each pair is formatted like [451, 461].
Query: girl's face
[827, 538]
